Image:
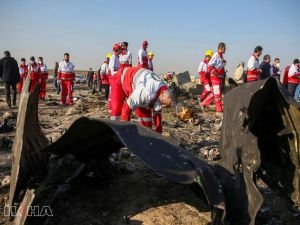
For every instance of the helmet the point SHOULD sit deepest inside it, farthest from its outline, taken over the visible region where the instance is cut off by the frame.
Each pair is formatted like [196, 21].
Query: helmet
[108, 55]
[116, 47]
[145, 42]
[150, 54]
[209, 53]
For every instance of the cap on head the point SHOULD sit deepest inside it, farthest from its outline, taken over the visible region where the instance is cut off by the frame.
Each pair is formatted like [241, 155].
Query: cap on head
[116, 47]
[145, 43]
[209, 53]
[108, 55]
[150, 54]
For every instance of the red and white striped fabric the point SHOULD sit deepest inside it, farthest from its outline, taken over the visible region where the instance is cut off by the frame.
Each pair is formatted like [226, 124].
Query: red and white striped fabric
[216, 65]
[43, 71]
[143, 58]
[125, 59]
[104, 75]
[65, 71]
[253, 70]
[23, 70]
[294, 75]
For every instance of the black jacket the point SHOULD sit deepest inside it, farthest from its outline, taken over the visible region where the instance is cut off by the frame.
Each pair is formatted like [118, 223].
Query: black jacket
[9, 70]
[266, 70]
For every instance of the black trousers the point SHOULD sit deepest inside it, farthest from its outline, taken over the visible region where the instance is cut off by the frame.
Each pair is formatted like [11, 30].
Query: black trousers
[7, 89]
[106, 89]
[292, 88]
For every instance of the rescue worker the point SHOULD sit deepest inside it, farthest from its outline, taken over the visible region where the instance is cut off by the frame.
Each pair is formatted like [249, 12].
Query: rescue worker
[275, 69]
[104, 75]
[204, 76]
[34, 73]
[23, 70]
[150, 62]
[144, 92]
[43, 78]
[9, 74]
[65, 78]
[125, 57]
[253, 70]
[294, 77]
[114, 62]
[113, 66]
[143, 56]
[217, 73]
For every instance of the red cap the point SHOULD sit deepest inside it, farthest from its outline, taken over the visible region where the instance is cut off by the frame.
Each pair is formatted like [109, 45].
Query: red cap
[161, 90]
[116, 47]
[145, 43]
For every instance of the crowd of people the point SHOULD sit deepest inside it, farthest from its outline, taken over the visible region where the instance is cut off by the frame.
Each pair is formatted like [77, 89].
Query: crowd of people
[212, 75]
[130, 88]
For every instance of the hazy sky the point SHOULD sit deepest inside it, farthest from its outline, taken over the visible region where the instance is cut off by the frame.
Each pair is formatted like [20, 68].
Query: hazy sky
[178, 32]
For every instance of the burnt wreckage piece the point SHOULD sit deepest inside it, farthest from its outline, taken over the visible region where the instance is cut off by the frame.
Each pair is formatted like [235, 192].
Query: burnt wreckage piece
[228, 186]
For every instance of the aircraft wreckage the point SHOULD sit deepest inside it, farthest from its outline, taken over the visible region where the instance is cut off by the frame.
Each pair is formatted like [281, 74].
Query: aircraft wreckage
[260, 136]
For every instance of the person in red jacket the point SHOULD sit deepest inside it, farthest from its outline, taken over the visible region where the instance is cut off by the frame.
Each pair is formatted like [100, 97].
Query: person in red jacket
[144, 92]
[125, 57]
[217, 73]
[204, 76]
[253, 70]
[294, 77]
[104, 75]
[43, 78]
[65, 78]
[143, 56]
[34, 73]
[23, 74]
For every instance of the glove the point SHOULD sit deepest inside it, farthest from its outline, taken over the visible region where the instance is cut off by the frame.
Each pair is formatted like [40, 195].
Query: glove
[58, 82]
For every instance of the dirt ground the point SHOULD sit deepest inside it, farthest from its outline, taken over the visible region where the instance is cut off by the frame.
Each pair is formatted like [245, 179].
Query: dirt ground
[139, 196]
